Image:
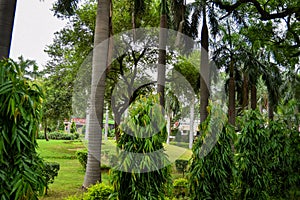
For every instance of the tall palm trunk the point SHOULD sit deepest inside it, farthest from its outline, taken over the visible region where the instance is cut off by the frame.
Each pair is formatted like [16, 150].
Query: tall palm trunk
[204, 70]
[7, 16]
[192, 120]
[161, 71]
[231, 96]
[271, 106]
[245, 91]
[253, 97]
[100, 55]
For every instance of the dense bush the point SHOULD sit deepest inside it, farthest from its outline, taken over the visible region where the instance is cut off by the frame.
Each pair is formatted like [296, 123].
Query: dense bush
[82, 157]
[50, 171]
[99, 191]
[181, 165]
[143, 171]
[211, 172]
[180, 188]
[20, 166]
[267, 159]
[59, 135]
[73, 128]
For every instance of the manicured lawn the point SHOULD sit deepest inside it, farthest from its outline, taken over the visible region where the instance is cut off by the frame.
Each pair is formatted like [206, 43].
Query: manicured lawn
[71, 175]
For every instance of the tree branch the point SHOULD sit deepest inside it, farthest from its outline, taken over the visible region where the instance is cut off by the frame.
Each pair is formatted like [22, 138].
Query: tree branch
[264, 15]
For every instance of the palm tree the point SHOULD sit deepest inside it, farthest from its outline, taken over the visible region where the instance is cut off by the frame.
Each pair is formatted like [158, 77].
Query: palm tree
[202, 8]
[99, 63]
[7, 16]
[161, 68]
[99, 67]
[204, 68]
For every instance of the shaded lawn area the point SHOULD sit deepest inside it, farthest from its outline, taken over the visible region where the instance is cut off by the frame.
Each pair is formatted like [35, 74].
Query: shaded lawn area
[71, 175]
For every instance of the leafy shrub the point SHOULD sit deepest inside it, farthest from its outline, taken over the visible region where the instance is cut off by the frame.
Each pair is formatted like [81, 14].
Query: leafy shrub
[41, 135]
[50, 172]
[180, 187]
[181, 165]
[155, 178]
[59, 135]
[105, 167]
[267, 159]
[21, 104]
[83, 130]
[82, 157]
[73, 128]
[98, 191]
[211, 170]
[111, 133]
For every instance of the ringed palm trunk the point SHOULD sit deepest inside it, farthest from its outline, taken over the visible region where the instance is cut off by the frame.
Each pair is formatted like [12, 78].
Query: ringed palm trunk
[204, 70]
[100, 54]
[7, 15]
[161, 71]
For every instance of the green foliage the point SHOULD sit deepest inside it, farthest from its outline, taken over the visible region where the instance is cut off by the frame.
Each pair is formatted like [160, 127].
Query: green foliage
[212, 164]
[252, 149]
[50, 172]
[98, 191]
[20, 108]
[59, 135]
[181, 165]
[180, 188]
[268, 158]
[73, 128]
[143, 171]
[82, 157]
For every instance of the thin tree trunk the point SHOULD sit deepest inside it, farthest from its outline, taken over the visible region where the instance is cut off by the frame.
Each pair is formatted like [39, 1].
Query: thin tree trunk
[204, 70]
[168, 127]
[45, 131]
[161, 71]
[231, 96]
[271, 110]
[253, 97]
[245, 91]
[106, 124]
[7, 16]
[100, 55]
[192, 113]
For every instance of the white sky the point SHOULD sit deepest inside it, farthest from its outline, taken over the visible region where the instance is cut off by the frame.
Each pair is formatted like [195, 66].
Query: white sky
[34, 28]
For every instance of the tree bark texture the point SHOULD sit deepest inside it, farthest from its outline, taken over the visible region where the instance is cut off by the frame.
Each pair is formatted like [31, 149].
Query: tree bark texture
[99, 63]
[7, 16]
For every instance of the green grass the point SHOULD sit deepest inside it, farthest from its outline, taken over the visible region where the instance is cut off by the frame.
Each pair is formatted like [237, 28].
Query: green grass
[60, 149]
[71, 175]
